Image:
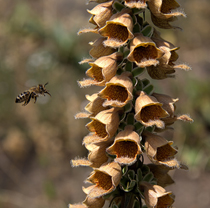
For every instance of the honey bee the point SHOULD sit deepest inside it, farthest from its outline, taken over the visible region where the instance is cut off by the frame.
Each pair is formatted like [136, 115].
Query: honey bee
[32, 93]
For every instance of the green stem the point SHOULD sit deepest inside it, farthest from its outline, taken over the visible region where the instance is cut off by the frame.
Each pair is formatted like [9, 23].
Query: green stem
[127, 200]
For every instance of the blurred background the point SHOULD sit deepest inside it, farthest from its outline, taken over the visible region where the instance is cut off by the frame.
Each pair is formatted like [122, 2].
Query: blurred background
[39, 44]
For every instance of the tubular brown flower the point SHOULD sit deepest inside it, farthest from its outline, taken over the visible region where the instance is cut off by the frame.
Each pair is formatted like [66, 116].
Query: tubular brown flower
[144, 52]
[106, 178]
[149, 111]
[163, 12]
[101, 13]
[160, 151]
[97, 153]
[126, 146]
[103, 126]
[102, 70]
[118, 29]
[98, 48]
[160, 173]
[118, 91]
[156, 196]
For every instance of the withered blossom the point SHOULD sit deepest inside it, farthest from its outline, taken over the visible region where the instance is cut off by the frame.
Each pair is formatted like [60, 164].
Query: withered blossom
[160, 173]
[118, 29]
[160, 151]
[102, 70]
[103, 126]
[106, 178]
[143, 51]
[156, 196]
[149, 111]
[97, 153]
[118, 91]
[126, 146]
[101, 13]
[98, 48]
[163, 12]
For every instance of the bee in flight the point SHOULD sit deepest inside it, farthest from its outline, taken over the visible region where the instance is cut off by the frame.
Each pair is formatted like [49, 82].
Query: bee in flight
[32, 93]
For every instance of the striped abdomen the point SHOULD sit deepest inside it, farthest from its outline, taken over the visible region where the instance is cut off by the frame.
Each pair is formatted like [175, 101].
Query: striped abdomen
[24, 96]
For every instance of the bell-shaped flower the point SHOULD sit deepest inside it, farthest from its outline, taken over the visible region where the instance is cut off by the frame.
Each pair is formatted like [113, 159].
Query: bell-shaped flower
[155, 196]
[97, 153]
[89, 203]
[98, 48]
[169, 106]
[149, 111]
[102, 70]
[160, 151]
[93, 107]
[139, 4]
[143, 51]
[118, 29]
[164, 12]
[101, 13]
[103, 126]
[118, 91]
[166, 67]
[160, 173]
[94, 202]
[105, 180]
[126, 146]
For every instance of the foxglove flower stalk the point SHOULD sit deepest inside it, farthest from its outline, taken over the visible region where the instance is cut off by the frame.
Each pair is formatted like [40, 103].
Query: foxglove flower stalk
[127, 114]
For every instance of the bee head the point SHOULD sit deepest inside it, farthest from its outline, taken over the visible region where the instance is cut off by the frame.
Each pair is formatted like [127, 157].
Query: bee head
[43, 89]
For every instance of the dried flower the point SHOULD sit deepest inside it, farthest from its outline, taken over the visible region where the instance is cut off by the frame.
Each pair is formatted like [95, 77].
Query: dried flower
[144, 52]
[106, 178]
[162, 12]
[126, 146]
[118, 29]
[101, 13]
[118, 91]
[156, 196]
[160, 173]
[149, 111]
[99, 49]
[102, 70]
[103, 126]
[160, 151]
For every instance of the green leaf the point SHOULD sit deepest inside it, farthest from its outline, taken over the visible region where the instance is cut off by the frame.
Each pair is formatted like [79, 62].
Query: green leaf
[148, 89]
[148, 177]
[147, 31]
[129, 66]
[130, 119]
[137, 71]
[136, 28]
[118, 6]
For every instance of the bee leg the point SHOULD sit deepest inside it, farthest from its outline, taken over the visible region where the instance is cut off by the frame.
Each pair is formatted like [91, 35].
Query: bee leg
[27, 101]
